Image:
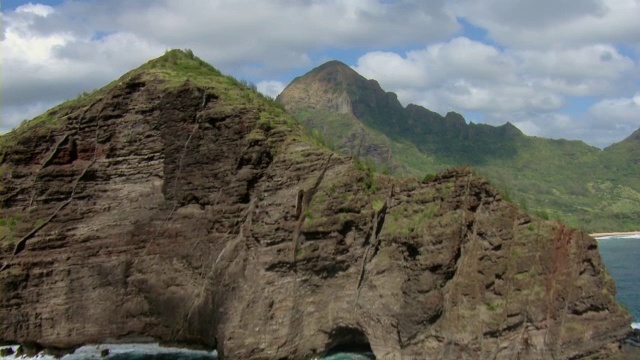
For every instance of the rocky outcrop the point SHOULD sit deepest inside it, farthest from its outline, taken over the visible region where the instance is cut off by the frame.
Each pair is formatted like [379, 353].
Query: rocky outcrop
[328, 112]
[168, 209]
[325, 88]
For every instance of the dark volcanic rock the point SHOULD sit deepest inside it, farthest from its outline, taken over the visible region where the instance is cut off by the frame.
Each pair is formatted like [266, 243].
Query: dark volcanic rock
[164, 212]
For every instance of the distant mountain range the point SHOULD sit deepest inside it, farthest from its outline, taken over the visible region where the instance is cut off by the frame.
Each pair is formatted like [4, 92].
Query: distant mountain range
[594, 189]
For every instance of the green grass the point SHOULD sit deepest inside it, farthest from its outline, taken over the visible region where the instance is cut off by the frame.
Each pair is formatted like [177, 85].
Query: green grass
[10, 222]
[490, 306]
[169, 71]
[368, 181]
[377, 204]
[596, 190]
[8, 226]
[583, 186]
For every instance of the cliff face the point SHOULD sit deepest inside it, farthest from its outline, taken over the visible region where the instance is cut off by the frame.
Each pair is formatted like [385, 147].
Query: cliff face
[194, 212]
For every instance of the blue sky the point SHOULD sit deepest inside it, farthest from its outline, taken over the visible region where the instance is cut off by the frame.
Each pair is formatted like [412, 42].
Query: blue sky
[7, 5]
[554, 68]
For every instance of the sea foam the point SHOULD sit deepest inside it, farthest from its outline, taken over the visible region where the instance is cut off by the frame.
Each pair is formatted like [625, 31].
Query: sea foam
[123, 351]
[629, 237]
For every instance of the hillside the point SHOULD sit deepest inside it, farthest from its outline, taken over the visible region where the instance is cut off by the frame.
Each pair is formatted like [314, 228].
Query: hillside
[596, 190]
[178, 205]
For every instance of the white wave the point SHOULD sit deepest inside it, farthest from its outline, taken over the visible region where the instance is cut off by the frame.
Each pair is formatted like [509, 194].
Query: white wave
[13, 356]
[93, 351]
[635, 325]
[609, 237]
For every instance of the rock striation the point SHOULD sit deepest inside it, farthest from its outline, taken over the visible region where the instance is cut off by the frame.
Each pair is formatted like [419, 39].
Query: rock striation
[177, 205]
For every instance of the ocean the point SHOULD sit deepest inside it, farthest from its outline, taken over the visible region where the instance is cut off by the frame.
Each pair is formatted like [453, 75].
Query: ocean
[127, 352]
[154, 352]
[621, 256]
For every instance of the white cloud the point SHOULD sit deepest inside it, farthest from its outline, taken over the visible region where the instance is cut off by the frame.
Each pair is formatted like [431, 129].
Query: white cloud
[605, 122]
[53, 53]
[544, 124]
[470, 75]
[41, 69]
[621, 113]
[393, 70]
[543, 52]
[280, 34]
[556, 23]
[270, 88]
[12, 116]
[527, 87]
[528, 127]
[592, 61]
[35, 9]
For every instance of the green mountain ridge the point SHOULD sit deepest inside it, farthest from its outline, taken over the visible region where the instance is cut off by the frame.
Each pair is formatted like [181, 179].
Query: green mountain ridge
[594, 189]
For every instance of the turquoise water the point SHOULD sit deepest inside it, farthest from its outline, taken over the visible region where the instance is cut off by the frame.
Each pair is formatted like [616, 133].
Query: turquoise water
[621, 256]
[349, 356]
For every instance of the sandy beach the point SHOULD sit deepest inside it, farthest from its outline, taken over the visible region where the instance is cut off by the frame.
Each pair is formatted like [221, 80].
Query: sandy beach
[615, 233]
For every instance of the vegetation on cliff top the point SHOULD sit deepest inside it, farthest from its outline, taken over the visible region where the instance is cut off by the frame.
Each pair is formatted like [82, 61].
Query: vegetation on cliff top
[597, 190]
[171, 70]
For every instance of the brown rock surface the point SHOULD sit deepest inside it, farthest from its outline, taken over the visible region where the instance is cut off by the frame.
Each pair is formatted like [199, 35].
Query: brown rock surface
[175, 210]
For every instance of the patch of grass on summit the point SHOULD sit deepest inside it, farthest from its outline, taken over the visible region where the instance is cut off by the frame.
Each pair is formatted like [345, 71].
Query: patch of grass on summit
[173, 69]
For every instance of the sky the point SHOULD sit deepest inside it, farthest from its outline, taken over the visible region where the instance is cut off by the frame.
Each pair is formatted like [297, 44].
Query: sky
[554, 68]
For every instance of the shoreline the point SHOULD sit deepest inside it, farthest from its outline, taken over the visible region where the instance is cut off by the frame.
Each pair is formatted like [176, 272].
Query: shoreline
[615, 234]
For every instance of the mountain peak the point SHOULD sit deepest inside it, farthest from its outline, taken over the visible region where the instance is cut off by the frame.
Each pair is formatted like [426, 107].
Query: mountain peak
[455, 118]
[333, 73]
[323, 88]
[332, 64]
[510, 129]
[173, 70]
[635, 136]
[182, 63]
[176, 53]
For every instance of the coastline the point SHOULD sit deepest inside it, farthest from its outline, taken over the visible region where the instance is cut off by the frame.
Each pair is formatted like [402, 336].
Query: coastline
[596, 235]
[99, 351]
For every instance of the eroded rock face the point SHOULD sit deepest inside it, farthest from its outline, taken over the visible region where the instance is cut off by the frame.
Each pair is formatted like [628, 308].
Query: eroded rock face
[156, 213]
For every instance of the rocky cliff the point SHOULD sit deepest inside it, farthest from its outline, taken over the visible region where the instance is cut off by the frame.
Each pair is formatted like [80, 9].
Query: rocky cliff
[179, 206]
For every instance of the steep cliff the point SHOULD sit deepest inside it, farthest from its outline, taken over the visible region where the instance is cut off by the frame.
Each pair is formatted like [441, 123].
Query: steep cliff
[177, 205]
